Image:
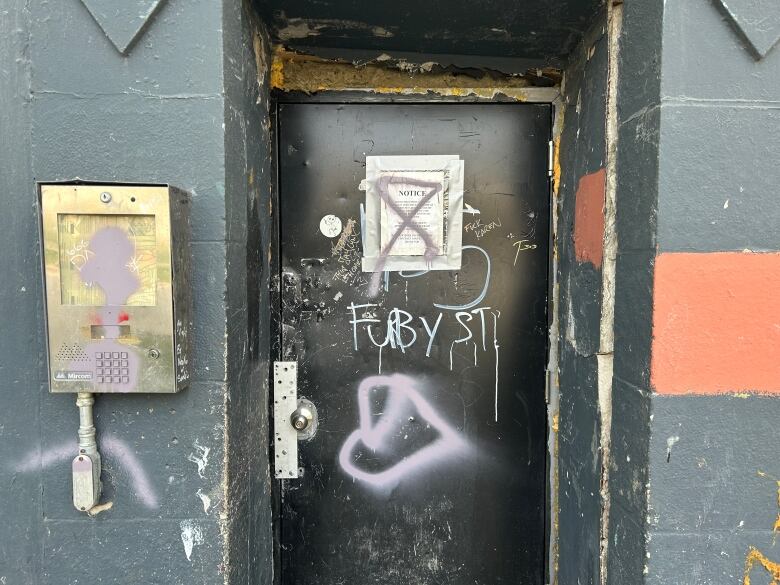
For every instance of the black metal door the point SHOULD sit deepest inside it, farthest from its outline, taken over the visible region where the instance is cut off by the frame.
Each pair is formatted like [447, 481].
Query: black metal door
[429, 462]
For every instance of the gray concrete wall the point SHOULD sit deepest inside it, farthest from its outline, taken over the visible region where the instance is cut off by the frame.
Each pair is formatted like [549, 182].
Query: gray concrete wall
[694, 484]
[582, 153]
[714, 463]
[179, 106]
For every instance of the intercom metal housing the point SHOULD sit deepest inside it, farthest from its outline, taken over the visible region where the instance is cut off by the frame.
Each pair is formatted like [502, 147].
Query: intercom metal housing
[116, 274]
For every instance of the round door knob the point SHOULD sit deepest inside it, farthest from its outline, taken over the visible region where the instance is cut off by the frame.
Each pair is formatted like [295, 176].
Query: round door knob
[301, 418]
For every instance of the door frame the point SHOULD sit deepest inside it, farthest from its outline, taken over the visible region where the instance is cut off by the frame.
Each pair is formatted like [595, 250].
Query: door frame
[438, 96]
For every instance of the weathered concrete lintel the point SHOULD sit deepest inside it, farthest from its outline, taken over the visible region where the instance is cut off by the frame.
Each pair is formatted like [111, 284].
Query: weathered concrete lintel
[296, 72]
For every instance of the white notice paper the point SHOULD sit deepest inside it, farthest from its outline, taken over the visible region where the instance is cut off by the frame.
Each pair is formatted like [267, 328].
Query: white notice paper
[413, 215]
[412, 221]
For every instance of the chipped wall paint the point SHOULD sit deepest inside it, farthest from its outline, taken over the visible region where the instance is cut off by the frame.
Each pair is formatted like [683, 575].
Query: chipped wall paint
[715, 323]
[552, 379]
[606, 357]
[191, 535]
[583, 370]
[589, 218]
[299, 28]
[200, 456]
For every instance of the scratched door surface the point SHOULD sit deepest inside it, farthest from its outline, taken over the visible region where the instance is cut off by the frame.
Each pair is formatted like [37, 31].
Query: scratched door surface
[429, 462]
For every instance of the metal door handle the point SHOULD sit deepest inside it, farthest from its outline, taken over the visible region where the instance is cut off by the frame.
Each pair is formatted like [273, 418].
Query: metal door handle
[301, 418]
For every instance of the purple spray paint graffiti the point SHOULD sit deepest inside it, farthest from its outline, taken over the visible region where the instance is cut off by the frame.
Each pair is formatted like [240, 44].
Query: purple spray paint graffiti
[109, 266]
[112, 251]
[407, 222]
[403, 398]
[400, 334]
[113, 447]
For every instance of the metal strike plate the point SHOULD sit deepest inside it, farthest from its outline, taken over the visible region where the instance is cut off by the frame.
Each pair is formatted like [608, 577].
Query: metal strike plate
[285, 435]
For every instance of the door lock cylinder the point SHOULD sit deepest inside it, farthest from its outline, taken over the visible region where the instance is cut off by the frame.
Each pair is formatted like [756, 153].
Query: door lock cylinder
[301, 418]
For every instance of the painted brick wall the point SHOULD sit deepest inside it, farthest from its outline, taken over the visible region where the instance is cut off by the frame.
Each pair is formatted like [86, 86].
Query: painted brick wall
[580, 233]
[167, 110]
[713, 465]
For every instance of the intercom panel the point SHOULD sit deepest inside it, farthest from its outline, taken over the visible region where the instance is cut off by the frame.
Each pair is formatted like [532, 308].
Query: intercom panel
[116, 275]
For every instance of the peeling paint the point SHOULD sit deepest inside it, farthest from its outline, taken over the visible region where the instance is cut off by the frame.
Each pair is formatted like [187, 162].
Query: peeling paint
[776, 527]
[292, 71]
[201, 459]
[205, 500]
[299, 28]
[191, 535]
[608, 261]
[261, 63]
[277, 73]
[95, 510]
[671, 442]
[552, 377]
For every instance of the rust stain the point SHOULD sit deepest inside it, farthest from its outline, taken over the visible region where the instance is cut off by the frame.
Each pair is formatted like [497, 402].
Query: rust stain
[589, 218]
[557, 162]
[277, 68]
[716, 323]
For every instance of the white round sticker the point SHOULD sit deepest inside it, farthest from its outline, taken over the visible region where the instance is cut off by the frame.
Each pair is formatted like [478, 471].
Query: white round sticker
[330, 226]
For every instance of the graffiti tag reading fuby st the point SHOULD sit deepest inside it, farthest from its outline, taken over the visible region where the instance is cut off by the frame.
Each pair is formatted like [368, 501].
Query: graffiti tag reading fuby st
[400, 335]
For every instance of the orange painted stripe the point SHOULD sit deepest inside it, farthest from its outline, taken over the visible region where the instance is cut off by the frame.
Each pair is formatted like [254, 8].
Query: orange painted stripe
[716, 323]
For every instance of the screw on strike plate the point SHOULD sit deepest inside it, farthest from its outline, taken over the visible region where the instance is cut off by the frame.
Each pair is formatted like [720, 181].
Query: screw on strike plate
[153, 353]
[105, 196]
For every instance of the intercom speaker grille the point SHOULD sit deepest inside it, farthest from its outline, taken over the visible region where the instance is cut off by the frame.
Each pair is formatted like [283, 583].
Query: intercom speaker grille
[72, 353]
